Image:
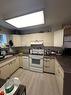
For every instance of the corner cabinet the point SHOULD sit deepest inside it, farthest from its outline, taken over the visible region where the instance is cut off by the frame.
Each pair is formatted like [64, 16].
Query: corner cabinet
[59, 73]
[49, 65]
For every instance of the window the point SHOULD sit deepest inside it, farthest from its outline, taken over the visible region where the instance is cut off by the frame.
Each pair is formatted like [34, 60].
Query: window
[3, 40]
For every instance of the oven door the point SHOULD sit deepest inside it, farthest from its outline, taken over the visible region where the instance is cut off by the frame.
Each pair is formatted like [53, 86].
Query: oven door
[36, 61]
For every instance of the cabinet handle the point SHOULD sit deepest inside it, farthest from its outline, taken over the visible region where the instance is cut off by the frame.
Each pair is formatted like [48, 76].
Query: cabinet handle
[46, 60]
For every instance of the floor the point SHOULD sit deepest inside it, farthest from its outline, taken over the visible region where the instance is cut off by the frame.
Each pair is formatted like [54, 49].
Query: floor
[37, 83]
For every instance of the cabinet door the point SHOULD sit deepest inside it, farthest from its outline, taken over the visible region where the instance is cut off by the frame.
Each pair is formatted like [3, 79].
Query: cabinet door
[61, 85]
[17, 62]
[49, 65]
[4, 72]
[17, 40]
[46, 67]
[20, 61]
[25, 62]
[52, 65]
[12, 67]
[59, 73]
[46, 62]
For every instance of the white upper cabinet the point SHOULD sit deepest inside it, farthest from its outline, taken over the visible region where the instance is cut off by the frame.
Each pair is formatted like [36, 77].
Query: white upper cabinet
[46, 37]
[58, 38]
[17, 40]
[54, 38]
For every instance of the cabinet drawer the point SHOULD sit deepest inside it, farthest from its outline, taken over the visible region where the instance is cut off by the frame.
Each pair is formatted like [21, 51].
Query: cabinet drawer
[46, 60]
[46, 69]
[46, 64]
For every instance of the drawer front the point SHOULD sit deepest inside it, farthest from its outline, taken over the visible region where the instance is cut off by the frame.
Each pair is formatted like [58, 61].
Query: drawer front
[46, 62]
[46, 69]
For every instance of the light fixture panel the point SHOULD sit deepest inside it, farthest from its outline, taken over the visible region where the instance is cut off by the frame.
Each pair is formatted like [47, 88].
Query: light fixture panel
[32, 19]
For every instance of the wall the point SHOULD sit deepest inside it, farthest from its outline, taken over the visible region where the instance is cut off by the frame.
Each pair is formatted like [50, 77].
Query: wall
[58, 38]
[47, 38]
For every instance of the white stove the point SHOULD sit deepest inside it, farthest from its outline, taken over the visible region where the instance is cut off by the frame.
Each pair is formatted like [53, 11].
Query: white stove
[36, 59]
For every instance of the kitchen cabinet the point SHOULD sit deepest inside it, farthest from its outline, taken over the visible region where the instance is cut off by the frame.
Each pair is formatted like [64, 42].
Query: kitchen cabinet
[11, 66]
[17, 40]
[20, 61]
[4, 72]
[46, 37]
[59, 73]
[25, 60]
[49, 65]
[17, 62]
[58, 38]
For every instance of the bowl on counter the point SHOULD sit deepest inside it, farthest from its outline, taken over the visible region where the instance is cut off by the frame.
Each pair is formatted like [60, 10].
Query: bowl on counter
[9, 85]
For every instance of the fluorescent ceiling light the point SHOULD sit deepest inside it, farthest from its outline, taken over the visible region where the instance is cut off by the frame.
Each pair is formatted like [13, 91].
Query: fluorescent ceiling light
[32, 19]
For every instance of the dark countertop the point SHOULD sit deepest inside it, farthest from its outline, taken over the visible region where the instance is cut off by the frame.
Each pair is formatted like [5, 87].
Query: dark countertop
[6, 58]
[9, 57]
[65, 62]
[21, 54]
[3, 61]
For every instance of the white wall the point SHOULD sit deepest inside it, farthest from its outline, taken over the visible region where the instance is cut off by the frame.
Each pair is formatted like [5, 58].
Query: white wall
[58, 38]
[47, 38]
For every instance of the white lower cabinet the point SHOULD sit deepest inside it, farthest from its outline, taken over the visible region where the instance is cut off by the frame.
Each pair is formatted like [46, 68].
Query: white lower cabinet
[59, 73]
[20, 61]
[4, 72]
[17, 63]
[49, 65]
[11, 66]
[25, 60]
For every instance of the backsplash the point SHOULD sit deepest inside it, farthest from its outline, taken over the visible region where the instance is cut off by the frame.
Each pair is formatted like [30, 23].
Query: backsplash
[26, 49]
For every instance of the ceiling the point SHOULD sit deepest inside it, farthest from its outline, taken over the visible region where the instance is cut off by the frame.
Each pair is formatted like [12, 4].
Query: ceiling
[56, 11]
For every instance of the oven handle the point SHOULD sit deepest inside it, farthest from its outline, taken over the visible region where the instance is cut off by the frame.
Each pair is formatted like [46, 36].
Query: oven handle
[35, 58]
